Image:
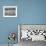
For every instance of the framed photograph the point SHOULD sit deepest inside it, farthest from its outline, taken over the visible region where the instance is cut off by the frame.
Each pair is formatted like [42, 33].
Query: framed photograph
[9, 11]
[31, 32]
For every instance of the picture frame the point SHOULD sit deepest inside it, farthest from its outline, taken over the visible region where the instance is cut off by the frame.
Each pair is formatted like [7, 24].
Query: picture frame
[9, 11]
[39, 28]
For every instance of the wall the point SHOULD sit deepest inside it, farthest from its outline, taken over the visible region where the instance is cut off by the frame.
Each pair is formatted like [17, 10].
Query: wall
[29, 12]
[7, 25]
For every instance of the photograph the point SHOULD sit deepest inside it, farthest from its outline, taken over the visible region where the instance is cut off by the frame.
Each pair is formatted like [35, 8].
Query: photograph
[9, 11]
[28, 33]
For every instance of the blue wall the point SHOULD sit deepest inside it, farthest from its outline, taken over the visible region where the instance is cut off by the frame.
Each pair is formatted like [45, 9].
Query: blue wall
[29, 12]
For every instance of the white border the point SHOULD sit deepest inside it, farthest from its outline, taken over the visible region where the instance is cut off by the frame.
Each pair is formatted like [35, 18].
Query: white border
[9, 7]
[18, 34]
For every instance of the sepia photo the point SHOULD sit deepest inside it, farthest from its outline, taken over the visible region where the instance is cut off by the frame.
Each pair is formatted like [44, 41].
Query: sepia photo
[9, 11]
